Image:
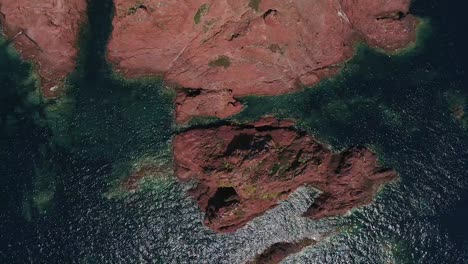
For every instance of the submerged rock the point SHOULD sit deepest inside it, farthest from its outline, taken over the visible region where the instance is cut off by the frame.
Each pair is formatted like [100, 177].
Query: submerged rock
[457, 104]
[227, 49]
[279, 251]
[45, 32]
[241, 171]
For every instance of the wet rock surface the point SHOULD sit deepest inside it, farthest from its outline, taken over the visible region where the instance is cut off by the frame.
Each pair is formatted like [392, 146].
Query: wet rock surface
[229, 49]
[241, 171]
[279, 251]
[45, 32]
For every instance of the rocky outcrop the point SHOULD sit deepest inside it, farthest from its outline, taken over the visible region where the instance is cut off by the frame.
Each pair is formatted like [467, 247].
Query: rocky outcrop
[228, 49]
[199, 102]
[458, 112]
[279, 251]
[241, 171]
[45, 32]
[382, 23]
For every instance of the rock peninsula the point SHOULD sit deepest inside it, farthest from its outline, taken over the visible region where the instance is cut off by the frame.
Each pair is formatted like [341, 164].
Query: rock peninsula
[45, 32]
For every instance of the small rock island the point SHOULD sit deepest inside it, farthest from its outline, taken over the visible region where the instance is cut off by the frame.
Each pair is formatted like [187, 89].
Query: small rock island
[242, 171]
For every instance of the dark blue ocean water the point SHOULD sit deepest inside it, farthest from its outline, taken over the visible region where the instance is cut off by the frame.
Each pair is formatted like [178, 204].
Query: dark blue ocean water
[61, 161]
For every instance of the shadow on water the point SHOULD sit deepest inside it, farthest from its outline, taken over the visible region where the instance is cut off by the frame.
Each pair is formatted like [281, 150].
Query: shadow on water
[109, 124]
[102, 124]
[113, 117]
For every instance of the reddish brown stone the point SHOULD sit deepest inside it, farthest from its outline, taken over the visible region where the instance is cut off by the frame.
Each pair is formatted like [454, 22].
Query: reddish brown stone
[198, 102]
[382, 23]
[279, 251]
[458, 111]
[45, 32]
[242, 171]
[234, 48]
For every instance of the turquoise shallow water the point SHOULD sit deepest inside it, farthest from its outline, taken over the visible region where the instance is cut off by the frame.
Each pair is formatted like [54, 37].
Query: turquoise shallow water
[60, 161]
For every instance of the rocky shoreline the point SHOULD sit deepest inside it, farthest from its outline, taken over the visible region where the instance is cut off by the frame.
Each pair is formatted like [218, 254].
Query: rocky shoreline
[229, 49]
[214, 52]
[223, 50]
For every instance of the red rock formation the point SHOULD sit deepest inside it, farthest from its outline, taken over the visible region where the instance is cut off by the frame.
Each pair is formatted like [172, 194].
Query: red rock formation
[279, 251]
[235, 48]
[45, 32]
[198, 102]
[242, 171]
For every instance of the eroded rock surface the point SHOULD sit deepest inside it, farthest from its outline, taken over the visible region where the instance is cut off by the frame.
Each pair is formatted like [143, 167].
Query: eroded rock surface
[45, 32]
[234, 48]
[241, 171]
